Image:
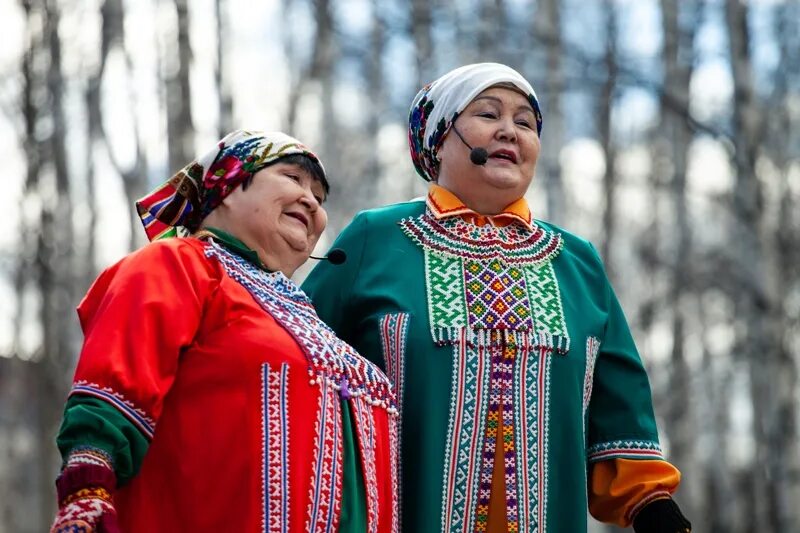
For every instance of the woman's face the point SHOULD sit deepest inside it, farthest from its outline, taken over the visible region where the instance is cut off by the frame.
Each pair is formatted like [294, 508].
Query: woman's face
[279, 215]
[503, 122]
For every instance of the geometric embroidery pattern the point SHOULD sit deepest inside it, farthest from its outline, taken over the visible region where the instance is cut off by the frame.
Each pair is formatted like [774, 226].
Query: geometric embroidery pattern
[500, 418]
[366, 441]
[496, 296]
[330, 359]
[139, 418]
[546, 305]
[88, 455]
[631, 449]
[531, 390]
[493, 295]
[488, 277]
[468, 407]
[592, 349]
[445, 283]
[275, 435]
[454, 237]
[325, 492]
[394, 328]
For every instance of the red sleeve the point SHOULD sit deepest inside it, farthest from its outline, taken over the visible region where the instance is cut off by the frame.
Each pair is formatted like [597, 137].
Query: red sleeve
[137, 318]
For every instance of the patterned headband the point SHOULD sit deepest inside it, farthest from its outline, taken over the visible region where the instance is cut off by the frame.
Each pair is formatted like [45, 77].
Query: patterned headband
[199, 187]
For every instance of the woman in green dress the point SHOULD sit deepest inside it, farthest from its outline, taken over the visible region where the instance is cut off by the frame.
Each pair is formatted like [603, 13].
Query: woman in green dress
[522, 394]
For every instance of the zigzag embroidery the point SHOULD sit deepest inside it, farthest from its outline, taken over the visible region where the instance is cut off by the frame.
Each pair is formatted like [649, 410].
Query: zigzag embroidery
[513, 244]
[144, 422]
[624, 448]
[330, 359]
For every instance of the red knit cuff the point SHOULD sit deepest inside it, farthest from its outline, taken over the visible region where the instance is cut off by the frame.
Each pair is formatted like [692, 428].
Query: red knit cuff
[85, 469]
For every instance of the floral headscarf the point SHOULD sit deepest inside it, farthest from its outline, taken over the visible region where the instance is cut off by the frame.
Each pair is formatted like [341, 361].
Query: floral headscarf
[199, 187]
[438, 104]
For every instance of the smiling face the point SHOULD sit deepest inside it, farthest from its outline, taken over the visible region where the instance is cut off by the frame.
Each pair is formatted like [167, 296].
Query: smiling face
[503, 122]
[279, 215]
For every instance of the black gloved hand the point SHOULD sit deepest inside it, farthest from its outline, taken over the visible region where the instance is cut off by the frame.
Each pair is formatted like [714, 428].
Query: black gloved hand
[661, 516]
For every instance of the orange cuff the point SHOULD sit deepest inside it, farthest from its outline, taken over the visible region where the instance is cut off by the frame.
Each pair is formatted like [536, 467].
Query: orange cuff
[619, 488]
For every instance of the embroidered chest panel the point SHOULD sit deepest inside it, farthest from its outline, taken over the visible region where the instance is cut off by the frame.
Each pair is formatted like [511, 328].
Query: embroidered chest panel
[329, 358]
[493, 295]
[490, 278]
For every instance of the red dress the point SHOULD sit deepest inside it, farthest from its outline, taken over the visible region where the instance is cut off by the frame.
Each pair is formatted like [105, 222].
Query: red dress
[239, 385]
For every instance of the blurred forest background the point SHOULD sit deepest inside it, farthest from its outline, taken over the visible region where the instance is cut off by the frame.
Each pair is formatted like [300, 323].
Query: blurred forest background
[671, 140]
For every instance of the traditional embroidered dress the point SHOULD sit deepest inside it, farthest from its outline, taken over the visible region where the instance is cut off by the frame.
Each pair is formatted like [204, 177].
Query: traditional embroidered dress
[253, 415]
[512, 361]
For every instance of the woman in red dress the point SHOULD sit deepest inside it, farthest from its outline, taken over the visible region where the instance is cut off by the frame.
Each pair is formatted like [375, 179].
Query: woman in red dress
[208, 394]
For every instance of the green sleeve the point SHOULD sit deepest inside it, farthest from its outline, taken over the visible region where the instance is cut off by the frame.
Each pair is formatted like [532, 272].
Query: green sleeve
[621, 421]
[330, 286]
[91, 422]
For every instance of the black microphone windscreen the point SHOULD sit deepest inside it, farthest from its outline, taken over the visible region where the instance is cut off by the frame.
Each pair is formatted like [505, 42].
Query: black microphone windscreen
[479, 156]
[337, 256]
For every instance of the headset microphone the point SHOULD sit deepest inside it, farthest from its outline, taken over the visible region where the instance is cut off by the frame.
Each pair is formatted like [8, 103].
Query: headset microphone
[479, 156]
[337, 256]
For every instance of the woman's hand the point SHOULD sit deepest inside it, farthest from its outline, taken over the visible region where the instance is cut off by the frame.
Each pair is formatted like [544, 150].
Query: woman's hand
[86, 511]
[85, 502]
[661, 516]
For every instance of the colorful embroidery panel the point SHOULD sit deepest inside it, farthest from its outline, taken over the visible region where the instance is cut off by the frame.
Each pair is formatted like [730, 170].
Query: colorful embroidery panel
[325, 493]
[366, 441]
[330, 359]
[546, 306]
[500, 417]
[493, 295]
[453, 237]
[394, 328]
[497, 296]
[490, 278]
[532, 418]
[275, 434]
[467, 421]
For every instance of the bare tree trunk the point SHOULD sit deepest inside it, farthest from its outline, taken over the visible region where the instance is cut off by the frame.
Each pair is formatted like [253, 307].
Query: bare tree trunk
[757, 343]
[91, 95]
[26, 493]
[180, 131]
[421, 20]
[490, 17]
[784, 260]
[297, 72]
[547, 25]
[607, 97]
[678, 51]
[716, 377]
[224, 98]
[134, 179]
[56, 281]
[377, 96]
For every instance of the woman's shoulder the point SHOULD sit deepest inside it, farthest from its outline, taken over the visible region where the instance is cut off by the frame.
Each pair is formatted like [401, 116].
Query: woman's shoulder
[387, 215]
[392, 213]
[573, 245]
[185, 254]
[182, 248]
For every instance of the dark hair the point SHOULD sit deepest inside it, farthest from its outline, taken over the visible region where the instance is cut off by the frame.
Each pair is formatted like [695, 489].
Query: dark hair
[304, 162]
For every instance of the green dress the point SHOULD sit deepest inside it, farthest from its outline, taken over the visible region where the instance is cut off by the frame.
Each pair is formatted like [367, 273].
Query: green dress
[478, 326]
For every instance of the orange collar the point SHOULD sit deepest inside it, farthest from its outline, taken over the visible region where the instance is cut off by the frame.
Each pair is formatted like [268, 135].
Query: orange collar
[444, 203]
